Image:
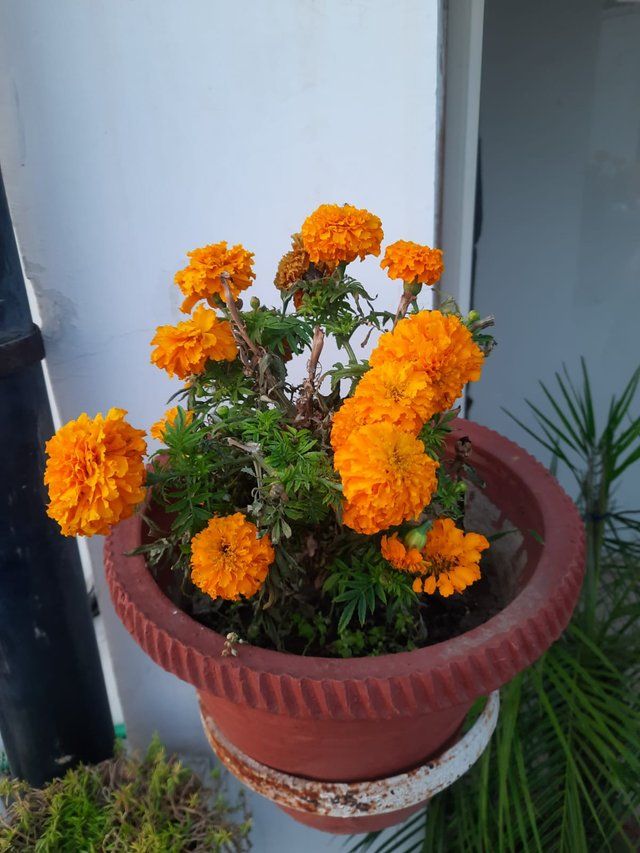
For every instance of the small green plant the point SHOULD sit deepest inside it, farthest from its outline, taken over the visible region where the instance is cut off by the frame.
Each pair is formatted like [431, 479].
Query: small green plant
[123, 805]
[562, 772]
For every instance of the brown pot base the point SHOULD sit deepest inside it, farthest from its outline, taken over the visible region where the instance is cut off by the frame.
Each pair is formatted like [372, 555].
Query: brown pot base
[362, 806]
[329, 750]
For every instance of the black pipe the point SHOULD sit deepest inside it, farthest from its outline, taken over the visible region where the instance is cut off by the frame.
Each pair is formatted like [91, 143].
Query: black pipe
[54, 710]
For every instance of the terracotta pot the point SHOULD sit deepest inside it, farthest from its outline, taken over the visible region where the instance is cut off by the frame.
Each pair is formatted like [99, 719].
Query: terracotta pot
[370, 718]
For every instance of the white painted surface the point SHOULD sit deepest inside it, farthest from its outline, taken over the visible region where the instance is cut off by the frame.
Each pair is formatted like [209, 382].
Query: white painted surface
[134, 130]
[559, 255]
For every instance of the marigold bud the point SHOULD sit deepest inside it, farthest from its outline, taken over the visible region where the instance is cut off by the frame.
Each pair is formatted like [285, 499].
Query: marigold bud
[415, 538]
[411, 288]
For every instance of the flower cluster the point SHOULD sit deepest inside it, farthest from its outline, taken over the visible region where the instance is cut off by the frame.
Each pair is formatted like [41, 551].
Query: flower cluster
[293, 265]
[335, 234]
[228, 560]
[413, 263]
[386, 475]
[184, 349]
[404, 388]
[440, 346]
[208, 267]
[448, 560]
[95, 473]
[292, 507]
[398, 394]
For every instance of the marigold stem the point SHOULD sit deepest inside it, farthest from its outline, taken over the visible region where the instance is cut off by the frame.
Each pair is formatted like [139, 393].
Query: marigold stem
[316, 349]
[405, 301]
[304, 404]
[242, 338]
[235, 315]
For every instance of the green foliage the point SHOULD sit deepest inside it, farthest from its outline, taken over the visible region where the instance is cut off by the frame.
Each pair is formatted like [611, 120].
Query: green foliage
[192, 477]
[596, 459]
[153, 805]
[366, 582]
[336, 303]
[294, 477]
[250, 456]
[434, 433]
[223, 382]
[562, 772]
[313, 630]
[448, 501]
[282, 333]
[354, 371]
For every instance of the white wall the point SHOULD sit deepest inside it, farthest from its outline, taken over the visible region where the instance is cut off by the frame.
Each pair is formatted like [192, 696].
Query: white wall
[559, 257]
[134, 130]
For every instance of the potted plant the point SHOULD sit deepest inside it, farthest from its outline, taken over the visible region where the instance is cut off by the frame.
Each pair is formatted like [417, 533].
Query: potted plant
[337, 563]
[148, 803]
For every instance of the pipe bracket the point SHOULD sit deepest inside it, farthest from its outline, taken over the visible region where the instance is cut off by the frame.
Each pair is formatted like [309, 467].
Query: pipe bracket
[21, 351]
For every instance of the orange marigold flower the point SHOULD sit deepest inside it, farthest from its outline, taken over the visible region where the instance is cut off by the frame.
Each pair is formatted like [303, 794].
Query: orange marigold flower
[184, 349]
[349, 417]
[95, 473]
[451, 559]
[398, 394]
[335, 234]
[402, 558]
[413, 263]
[387, 477]
[438, 344]
[201, 278]
[227, 558]
[293, 265]
[158, 428]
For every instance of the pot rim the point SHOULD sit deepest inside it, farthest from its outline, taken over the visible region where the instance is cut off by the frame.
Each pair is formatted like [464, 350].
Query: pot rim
[446, 674]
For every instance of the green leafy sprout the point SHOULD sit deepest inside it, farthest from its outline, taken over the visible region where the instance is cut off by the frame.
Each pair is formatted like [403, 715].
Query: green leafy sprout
[149, 805]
